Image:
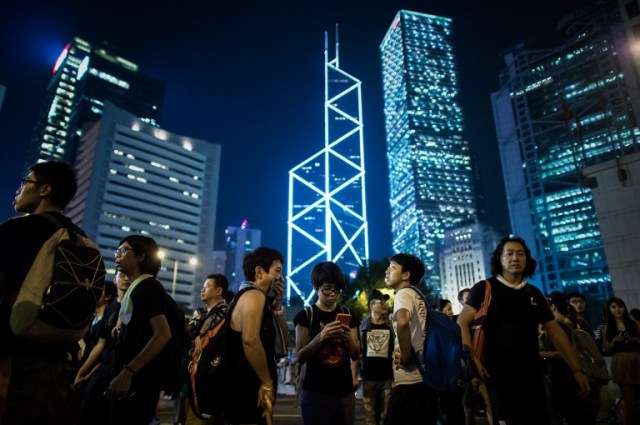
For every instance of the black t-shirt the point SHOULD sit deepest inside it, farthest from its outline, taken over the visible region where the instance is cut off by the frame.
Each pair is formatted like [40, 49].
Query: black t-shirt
[511, 326]
[107, 324]
[149, 300]
[376, 348]
[20, 241]
[329, 370]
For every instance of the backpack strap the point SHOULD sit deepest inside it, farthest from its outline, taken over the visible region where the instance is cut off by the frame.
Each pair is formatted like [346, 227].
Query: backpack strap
[72, 231]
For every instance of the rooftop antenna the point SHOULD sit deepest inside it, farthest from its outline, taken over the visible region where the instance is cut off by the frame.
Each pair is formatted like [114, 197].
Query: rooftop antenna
[337, 48]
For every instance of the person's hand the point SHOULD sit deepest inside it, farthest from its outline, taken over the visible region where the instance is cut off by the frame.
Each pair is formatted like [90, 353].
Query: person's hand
[120, 385]
[278, 286]
[397, 359]
[80, 379]
[334, 330]
[481, 372]
[584, 388]
[266, 397]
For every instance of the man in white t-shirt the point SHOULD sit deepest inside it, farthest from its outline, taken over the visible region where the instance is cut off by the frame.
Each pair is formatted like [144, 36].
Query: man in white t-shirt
[411, 401]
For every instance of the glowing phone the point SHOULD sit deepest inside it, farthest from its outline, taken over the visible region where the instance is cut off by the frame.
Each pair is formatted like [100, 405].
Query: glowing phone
[343, 318]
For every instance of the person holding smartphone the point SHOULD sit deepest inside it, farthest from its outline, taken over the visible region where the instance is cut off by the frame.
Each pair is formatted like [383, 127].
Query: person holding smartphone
[327, 341]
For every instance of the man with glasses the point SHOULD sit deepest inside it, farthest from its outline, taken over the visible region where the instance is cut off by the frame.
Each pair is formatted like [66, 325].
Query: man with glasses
[376, 353]
[578, 302]
[34, 377]
[327, 346]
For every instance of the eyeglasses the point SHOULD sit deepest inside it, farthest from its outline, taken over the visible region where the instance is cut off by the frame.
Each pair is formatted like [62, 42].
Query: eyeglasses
[122, 251]
[23, 182]
[329, 291]
[378, 302]
[576, 301]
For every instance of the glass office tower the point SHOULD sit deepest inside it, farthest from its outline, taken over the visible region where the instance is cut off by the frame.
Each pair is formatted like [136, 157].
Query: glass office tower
[134, 178]
[560, 110]
[430, 173]
[84, 78]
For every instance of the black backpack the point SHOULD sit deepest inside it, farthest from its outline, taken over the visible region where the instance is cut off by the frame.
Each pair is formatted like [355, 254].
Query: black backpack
[59, 295]
[177, 349]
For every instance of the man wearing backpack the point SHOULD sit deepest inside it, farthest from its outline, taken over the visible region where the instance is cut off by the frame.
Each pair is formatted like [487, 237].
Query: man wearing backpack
[511, 366]
[250, 338]
[411, 401]
[34, 377]
[203, 331]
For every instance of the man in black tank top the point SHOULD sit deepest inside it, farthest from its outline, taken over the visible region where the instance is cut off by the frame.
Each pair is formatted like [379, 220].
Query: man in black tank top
[251, 336]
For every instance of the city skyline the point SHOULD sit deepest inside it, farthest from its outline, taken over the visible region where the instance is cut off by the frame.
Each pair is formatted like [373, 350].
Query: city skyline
[222, 62]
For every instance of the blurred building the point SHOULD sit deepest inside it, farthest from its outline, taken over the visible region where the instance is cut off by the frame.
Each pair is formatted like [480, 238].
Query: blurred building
[134, 178]
[83, 79]
[465, 258]
[430, 171]
[239, 241]
[558, 110]
[3, 90]
[616, 196]
[219, 262]
[327, 218]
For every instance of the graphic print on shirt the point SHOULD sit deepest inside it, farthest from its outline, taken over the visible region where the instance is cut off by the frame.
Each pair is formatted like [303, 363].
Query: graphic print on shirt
[378, 343]
[333, 351]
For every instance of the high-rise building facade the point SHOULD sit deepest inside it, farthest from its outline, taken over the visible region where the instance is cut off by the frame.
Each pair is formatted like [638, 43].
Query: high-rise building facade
[327, 204]
[238, 241]
[430, 172]
[465, 258]
[134, 178]
[559, 110]
[84, 78]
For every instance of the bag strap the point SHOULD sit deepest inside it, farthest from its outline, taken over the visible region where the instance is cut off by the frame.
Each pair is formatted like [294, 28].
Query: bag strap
[73, 233]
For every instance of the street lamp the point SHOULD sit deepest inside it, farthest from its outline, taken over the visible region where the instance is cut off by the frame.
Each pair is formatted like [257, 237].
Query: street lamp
[192, 261]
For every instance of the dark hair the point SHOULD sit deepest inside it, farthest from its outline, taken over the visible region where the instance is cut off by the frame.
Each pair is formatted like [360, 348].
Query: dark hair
[496, 265]
[220, 281]
[327, 272]
[559, 300]
[110, 290]
[62, 179]
[147, 248]
[409, 263]
[575, 294]
[262, 257]
[461, 293]
[635, 314]
[443, 303]
[228, 297]
[611, 330]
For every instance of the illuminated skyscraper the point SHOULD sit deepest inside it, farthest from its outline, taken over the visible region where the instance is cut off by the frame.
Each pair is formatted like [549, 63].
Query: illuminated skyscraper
[134, 178]
[327, 208]
[238, 241]
[84, 78]
[558, 111]
[430, 173]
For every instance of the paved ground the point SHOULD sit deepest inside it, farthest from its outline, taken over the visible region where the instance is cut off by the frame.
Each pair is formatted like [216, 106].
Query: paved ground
[284, 412]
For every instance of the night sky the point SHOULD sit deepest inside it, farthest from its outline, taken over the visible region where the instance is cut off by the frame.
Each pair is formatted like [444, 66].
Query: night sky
[248, 75]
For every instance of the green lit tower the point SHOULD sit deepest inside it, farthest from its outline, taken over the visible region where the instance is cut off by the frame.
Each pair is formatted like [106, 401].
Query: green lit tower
[83, 78]
[559, 110]
[430, 172]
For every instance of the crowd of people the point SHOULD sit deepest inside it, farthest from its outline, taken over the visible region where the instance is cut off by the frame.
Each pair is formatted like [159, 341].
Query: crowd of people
[528, 373]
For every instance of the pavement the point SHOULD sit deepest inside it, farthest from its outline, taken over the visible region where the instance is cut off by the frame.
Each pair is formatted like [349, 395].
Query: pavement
[284, 413]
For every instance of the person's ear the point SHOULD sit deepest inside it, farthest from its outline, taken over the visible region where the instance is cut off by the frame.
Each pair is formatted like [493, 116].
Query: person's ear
[45, 190]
